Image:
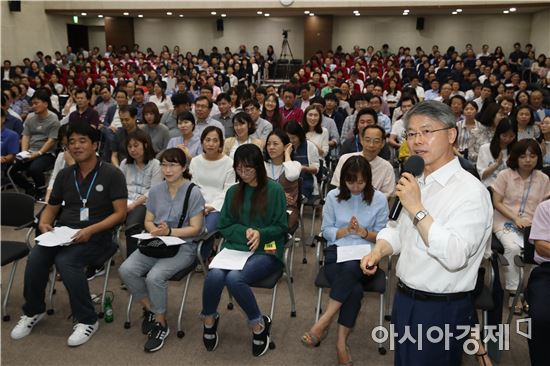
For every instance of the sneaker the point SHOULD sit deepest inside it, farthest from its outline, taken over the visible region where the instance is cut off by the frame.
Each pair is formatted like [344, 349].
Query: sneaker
[93, 272]
[260, 342]
[157, 335]
[24, 325]
[210, 336]
[148, 322]
[82, 333]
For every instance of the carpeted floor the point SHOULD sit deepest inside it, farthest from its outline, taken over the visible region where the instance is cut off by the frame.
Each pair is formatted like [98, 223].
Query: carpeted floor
[114, 345]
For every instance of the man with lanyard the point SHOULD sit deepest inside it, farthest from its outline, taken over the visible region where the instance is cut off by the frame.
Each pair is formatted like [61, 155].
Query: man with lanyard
[94, 198]
[441, 235]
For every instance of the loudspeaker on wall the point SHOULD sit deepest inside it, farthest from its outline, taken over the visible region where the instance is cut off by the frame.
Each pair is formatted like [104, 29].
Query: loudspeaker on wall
[14, 5]
[420, 23]
[219, 25]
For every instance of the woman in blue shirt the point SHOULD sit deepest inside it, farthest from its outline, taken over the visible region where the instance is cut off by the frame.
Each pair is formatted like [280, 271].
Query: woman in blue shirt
[352, 215]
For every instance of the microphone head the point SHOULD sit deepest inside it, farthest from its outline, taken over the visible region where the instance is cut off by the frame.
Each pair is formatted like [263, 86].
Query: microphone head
[414, 165]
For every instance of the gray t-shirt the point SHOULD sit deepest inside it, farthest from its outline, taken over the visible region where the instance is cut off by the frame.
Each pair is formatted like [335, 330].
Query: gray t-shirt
[166, 209]
[39, 130]
[160, 135]
[170, 121]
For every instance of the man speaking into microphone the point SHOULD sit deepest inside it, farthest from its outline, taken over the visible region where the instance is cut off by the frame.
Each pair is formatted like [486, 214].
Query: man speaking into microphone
[441, 235]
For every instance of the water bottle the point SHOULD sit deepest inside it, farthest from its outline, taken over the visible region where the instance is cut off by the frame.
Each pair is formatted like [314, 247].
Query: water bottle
[108, 309]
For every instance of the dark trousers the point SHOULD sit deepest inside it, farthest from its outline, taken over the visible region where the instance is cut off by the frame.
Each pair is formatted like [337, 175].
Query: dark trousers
[70, 262]
[538, 297]
[410, 313]
[35, 169]
[136, 216]
[346, 286]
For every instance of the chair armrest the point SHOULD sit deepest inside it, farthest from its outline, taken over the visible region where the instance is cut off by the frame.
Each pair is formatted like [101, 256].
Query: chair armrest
[203, 239]
[26, 225]
[501, 259]
[518, 261]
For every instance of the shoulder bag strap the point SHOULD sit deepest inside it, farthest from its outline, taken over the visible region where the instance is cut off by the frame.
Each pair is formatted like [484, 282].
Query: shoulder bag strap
[185, 204]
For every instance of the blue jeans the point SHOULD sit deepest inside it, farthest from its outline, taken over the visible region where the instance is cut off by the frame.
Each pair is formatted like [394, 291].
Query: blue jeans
[258, 267]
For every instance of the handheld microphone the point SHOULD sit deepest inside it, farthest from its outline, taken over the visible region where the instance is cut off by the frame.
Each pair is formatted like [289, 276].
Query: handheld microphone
[415, 166]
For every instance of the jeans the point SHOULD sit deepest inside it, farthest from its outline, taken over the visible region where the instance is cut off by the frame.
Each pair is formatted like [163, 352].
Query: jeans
[157, 272]
[35, 169]
[70, 262]
[258, 267]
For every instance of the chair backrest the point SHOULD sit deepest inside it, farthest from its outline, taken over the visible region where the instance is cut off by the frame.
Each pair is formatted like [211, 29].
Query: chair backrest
[528, 247]
[17, 209]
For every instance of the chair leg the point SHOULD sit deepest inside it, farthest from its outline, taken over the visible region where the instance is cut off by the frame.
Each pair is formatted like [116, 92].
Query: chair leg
[302, 235]
[388, 290]
[271, 315]
[5, 316]
[381, 348]
[311, 238]
[318, 308]
[291, 293]
[101, 314]
[181, 333]
[50, 311]
[127, 323]
[519, 291]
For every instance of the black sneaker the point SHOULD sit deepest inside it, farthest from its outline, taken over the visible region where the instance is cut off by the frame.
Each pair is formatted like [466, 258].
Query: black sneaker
[148, 322]
[260, 342]
[93, 272]
[156, 338]
[210, 336]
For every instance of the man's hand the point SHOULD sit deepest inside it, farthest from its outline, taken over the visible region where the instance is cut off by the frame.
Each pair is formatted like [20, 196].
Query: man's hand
[44, 228]
[253, 237]
[408, 192]
[82, 235]
[369, 263]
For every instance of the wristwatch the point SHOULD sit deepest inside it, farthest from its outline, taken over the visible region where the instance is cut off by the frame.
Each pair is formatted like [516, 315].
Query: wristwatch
[420, 215]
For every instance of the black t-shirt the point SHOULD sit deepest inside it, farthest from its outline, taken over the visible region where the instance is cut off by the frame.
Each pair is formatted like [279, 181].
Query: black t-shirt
[119, 144]
[109, 185]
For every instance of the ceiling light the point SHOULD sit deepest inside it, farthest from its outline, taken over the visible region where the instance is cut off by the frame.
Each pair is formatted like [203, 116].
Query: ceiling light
[83, 14]
[267, 14]
[306, 11]
[454, 13]
[513, 9]
[357, 14]
[224, 15]
[506, 11]
[168, 13]
[181, 15]
[356, 11]
[100, 16]
[213, 13]
[126, 13]
[140, 16]
[406, 11]
[459, 10]
[259, 12]
[311, 14]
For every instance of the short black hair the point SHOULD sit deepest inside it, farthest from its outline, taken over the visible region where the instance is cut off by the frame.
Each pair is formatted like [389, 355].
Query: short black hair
[128, 109]
[520, 148]
[180, 98]
[84, 129]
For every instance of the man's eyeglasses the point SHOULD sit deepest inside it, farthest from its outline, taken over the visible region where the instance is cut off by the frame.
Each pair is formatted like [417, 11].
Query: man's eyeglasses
[426, 133]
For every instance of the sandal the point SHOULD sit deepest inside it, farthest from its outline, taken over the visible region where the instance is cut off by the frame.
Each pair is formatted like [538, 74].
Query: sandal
[350, 361]
[311, 341]
[483, 356]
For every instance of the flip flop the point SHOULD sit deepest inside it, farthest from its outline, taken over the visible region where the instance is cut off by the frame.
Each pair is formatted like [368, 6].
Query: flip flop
[315, 342]
[350, 361]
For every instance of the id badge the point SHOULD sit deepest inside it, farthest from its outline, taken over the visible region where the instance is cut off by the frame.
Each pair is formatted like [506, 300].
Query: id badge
[270, 247]
[84, 214]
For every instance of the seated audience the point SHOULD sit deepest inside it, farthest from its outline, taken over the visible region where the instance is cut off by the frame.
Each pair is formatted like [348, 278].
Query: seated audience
[244, 129]
[189, 141]
[9, 146]
[128, 119]
[262, 128]
[315, 133]
[157, 132]
[181, 103]
[525, 123]
[307, 154]
[163, 103]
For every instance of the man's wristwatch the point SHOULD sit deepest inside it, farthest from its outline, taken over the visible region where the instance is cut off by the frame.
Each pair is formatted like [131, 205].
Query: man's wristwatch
[420, 215]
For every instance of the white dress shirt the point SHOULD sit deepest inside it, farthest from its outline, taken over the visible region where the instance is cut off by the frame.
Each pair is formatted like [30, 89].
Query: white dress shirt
[462, 223]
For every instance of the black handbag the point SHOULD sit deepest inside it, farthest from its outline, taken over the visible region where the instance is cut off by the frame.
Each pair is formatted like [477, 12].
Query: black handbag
[155, 247]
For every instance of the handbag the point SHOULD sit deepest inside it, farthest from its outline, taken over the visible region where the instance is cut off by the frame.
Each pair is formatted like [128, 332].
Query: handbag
[155, 247]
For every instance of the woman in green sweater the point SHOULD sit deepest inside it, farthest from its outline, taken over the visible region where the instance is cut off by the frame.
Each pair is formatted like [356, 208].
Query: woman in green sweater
[253, 218]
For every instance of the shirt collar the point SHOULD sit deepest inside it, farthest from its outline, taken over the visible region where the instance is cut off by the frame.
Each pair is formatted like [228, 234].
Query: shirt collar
[444, 174]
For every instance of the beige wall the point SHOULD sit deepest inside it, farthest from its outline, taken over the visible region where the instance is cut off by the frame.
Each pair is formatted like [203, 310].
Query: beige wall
[25, 32]
[192, 34]
[540, 32]
[441, 30]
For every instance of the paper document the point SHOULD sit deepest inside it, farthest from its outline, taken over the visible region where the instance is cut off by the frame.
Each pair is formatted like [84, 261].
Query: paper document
[352, 252]
[230, 259]
[168, 240]
[23, 155]
[59, 236]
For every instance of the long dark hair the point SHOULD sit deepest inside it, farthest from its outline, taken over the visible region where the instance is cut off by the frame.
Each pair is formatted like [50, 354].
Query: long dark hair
[354, 166]
[282, 135]
[276, 119]
[176, 155]
[318, 128]
[250, 155]
[140, 136]
[503, 126]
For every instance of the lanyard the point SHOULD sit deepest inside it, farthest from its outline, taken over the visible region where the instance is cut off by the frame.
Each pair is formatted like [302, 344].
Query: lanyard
[524, 198]
[84, 200]
[273, 172]
[356, 144]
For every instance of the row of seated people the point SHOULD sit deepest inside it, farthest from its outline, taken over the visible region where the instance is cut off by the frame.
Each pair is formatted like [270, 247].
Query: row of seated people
[250, 168]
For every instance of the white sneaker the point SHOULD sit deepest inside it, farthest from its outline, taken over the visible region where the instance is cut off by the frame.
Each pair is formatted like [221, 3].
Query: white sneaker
[82, 334]
[24, 325]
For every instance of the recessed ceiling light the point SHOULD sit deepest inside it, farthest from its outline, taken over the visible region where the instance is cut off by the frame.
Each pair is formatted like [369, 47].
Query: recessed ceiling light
[224, 15]
[506, 11]
[213, 13]
[406, 11]
[454, 13]
[513, 9]
[306, 11]
[356, 11]
[126, 13]
[459, 10]
[266, 14]
[259, 12]
[357, 14]
[140, 16]
[311, 14]
[83, 14]
[168, 13]
[100, 16]
[181, 15]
